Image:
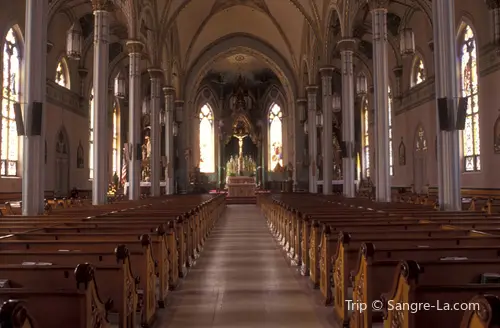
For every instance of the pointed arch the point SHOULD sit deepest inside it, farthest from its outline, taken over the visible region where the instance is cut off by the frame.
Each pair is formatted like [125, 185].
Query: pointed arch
[62, 74]
[365, 114]
[469, 87]
[11, 84]
[275, 116]
[207, 142]
[418, 72]
[91, 134]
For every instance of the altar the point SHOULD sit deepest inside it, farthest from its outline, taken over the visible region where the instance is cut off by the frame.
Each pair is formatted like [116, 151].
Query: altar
[241, 186]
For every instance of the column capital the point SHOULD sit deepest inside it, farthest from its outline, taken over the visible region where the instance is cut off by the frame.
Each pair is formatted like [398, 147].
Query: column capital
[378, 4]
[101, 5]
[179, 103]
[348, 45]
[326, 71]
[492, 4]
[155, 72]
[301, 101]
[312, 88]
[83, 72]
[398, 71]
[169, 91]
[134, 46]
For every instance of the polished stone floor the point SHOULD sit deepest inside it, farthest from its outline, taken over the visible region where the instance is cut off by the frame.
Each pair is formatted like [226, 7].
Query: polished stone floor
[243, 280]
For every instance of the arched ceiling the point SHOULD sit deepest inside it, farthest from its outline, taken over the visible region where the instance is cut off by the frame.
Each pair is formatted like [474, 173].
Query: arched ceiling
[278, 23]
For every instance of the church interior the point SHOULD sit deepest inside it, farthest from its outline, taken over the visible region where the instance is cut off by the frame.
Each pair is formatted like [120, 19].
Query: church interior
[249, 163]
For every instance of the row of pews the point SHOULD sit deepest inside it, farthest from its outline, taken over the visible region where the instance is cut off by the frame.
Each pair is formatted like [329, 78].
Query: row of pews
[421, 267]
[100, 266]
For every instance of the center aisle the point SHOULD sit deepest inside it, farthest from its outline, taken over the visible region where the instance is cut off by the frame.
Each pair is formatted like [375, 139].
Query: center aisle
[243, 280]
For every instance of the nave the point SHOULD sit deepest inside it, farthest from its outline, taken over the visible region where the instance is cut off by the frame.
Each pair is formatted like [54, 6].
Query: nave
[243, 280]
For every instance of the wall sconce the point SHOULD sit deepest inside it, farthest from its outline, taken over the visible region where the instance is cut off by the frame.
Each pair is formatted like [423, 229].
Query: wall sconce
[306, 127]
[407, 42]
[336, 103]
[74, 42]
[120, 86]
[175, 129]
[361, 84]
[319, 119]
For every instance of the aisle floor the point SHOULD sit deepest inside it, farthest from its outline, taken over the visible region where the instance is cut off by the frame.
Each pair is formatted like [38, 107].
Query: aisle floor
[243, 280]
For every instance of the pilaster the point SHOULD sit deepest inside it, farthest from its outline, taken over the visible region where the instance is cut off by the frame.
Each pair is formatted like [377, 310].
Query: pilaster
[156, 75]
[312, 91]
[169, 139]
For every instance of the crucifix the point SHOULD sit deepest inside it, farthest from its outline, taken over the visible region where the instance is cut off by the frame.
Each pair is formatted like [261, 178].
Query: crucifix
[240, 137]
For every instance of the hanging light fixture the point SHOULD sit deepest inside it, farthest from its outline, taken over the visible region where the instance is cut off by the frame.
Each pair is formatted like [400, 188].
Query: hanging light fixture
[175, 129]
[407, 42]
[319, 119]
[74, 42]
[336, 103]
[361, 84]
[119, 86]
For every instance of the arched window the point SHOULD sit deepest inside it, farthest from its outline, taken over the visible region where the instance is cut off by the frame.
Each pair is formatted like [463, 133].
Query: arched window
[418, 71]
[91, 134]
[366, 138]
[275, 136]
[116, 141]
[389, 113]
[468, 61]
[62, 74]
[10, 95]
[207, 151]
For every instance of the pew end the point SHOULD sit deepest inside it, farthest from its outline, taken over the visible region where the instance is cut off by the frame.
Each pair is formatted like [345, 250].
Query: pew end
[486, 316]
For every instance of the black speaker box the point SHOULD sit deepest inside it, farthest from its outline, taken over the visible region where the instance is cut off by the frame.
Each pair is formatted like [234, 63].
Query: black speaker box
[343, 149]
[138, 152]
[19, 119]
[36, 119]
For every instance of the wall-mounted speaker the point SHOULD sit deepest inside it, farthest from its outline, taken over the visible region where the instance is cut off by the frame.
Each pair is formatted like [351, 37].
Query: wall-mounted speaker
[343, 149]
[36, 119]
[443, 114]
[19, 119]
[138, 152]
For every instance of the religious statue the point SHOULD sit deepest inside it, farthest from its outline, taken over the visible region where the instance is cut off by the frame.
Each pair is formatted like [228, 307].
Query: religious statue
[146, 154]
[146, 148]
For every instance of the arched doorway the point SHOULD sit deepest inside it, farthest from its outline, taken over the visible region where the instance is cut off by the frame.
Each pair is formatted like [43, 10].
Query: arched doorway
[61, 185]
[420, 160]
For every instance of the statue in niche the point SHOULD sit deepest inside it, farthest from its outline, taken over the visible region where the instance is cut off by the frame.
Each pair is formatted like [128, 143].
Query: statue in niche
[146, 154]
[496, 130]
[146, 148]
[402, 153]
[79, 156]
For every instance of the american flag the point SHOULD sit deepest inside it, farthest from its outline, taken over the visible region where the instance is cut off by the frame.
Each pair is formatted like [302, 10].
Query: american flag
[126, 153]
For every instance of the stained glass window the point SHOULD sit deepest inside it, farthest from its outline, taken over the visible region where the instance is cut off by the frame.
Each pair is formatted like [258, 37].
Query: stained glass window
[207, 151]
[418, 73]
[10, 95]
[62, 74]
[470, 137]
[366, 138]
[275, 136]
[116, 148]
[91, 134]
[389, 114]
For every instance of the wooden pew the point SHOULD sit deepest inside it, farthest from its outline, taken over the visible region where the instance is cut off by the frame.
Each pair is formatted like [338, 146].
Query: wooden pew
[117, 282]
[486, 316]
[453, 283]
[79, 307]
[375, 269]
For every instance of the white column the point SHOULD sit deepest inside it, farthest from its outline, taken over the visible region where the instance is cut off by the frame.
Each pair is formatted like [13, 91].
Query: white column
[169, 139]
[134, 130]
[380, 81]
[35, 90]
[183, 143]
[100, 84]
[313, 136]
[346, 47]
[156, 75]
[447, 87]
[326, 87]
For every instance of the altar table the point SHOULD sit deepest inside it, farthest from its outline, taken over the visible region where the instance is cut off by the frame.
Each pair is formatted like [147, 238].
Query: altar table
[241, 187]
